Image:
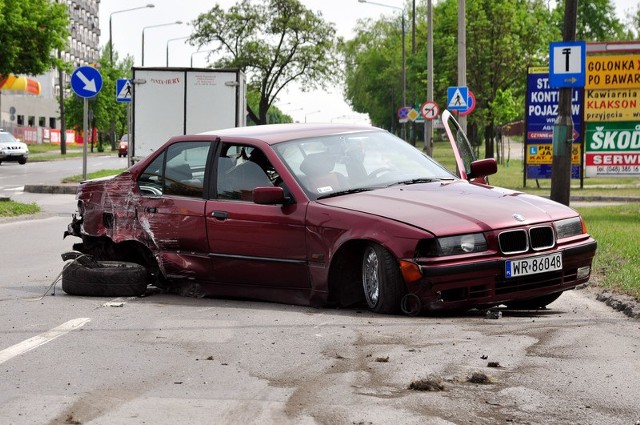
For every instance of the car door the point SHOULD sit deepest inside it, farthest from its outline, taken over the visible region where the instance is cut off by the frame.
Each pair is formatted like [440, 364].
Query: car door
[252, 244]
[462, 150]
[467, 166]
[171, 209]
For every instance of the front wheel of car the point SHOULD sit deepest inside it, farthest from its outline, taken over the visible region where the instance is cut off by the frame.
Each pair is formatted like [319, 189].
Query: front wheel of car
[22, 161]
[534, 303]
[381, 280]
[104, 279]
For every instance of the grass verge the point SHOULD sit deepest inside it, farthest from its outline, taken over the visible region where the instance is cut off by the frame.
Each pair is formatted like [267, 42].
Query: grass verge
[617, 261]
[50, 152]
[13, 209]
[95, 175]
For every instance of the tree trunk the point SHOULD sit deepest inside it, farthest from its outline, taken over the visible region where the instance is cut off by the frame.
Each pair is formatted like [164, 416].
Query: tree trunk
[488, 138]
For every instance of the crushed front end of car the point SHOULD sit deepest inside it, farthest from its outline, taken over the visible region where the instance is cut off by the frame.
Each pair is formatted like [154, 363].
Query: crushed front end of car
[528, 265]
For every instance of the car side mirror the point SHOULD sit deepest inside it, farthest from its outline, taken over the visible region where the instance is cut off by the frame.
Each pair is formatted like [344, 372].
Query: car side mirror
[269, 195]
[483, 168]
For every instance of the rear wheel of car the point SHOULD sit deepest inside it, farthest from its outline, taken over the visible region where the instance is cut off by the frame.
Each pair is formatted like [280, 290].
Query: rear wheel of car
[534, 303]
[22, 161]
[381, 280]
[107, 279]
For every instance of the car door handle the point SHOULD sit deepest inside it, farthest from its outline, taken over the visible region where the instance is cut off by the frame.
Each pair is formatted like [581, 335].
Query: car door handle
[151, 210]
[220, 215]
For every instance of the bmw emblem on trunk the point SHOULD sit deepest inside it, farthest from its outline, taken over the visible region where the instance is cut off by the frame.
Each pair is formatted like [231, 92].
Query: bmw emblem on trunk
[518, 217]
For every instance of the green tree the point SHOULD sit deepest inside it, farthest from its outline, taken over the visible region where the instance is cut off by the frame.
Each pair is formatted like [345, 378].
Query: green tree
[274, 43]
[274, 115]
[31, 30]
[596, 21]
[504, 37]
[634, 24]
[373, 69]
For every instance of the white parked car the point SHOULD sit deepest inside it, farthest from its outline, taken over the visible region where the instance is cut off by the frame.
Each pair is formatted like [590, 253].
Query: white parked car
[12, 149]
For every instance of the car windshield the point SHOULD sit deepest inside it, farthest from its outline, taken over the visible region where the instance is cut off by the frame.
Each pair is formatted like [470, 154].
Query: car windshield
[353, 162]
[7, 138]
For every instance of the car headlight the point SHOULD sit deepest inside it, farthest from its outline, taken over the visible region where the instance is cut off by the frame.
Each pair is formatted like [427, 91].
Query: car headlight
[569, 227]
[461, 244]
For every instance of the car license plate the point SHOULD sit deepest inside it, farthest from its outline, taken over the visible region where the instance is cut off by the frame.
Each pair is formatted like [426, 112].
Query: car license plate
[532, 265]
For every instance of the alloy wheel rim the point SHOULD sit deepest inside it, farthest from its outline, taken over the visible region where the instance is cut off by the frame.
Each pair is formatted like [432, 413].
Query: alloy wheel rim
[371, 279]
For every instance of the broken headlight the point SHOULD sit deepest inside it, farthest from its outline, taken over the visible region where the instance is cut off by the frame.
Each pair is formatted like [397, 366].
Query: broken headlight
[452, 245]
[569, 227]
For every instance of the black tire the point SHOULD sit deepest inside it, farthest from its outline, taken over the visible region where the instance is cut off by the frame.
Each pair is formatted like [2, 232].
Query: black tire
[112, 279]
[22, 161]
[381, 280]
[533, 303]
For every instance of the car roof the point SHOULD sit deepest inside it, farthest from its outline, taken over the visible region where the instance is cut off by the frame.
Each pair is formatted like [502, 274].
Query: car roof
[274, 133]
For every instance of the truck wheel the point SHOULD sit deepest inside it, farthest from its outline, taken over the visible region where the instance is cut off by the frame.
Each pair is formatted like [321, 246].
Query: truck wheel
[534, 303]
[108, 279]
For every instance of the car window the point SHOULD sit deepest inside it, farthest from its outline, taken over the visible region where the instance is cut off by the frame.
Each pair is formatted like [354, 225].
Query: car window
[242, 168]
[462, 145]
[330, 165]
[179, 171]
[7, 138]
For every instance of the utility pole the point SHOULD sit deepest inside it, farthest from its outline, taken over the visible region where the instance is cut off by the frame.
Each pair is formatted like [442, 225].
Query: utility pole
[63, 129]
[563, 127]
[414, 126]
[462, 56]
[428, 124]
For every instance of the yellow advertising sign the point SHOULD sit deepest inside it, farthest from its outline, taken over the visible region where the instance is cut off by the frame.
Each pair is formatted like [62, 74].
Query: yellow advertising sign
[543, 154]
[612, 105]
[613, 72]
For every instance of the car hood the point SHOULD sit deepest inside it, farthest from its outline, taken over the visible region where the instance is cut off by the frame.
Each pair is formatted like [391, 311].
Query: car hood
[445, 208]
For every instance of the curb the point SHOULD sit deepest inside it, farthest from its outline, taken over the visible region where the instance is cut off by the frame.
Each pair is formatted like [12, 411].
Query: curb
[68, 189]
[619, 302]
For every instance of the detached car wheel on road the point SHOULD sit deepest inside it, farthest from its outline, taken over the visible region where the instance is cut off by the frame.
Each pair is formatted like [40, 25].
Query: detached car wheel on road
[12, 149]
[333, 215]
[104, 279]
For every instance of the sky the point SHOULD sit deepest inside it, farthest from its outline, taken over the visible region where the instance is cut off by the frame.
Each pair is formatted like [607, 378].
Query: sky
[315, 106]
[165, 40]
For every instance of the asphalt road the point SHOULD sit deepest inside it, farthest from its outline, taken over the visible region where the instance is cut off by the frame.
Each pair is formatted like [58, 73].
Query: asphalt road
[166, 359]
[13, 176]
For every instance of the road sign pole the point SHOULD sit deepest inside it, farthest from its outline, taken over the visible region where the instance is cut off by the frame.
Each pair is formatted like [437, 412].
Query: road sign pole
[129, 163]
[563, 127]
[85, 124]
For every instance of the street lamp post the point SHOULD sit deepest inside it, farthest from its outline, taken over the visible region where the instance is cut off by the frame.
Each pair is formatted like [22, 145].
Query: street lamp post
[199, 51]
[121, 11]
[155, 26]
[113, 124]
[309, 113]
[404, 58]
[173, 39]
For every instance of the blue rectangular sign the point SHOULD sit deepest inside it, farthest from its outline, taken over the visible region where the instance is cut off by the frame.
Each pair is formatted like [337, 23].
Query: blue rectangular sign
[541, 114]
[567, 63]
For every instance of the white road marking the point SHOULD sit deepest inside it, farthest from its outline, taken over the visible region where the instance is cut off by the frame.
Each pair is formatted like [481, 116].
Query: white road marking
[38, 340]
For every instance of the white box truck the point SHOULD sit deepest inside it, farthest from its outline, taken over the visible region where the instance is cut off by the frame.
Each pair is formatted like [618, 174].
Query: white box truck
[168, 102]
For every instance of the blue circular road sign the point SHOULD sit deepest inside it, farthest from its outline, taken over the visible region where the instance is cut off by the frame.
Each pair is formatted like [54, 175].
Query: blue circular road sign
[86, 81]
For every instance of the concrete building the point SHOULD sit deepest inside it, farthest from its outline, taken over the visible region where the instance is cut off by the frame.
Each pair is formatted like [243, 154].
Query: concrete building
[43, 111]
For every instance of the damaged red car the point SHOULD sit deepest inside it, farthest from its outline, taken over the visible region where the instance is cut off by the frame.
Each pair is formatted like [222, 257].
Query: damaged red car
[332, 215]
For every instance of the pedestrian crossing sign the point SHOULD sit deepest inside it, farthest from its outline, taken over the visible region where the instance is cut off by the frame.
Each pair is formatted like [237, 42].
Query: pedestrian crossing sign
[124, 90]
[458, 98]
